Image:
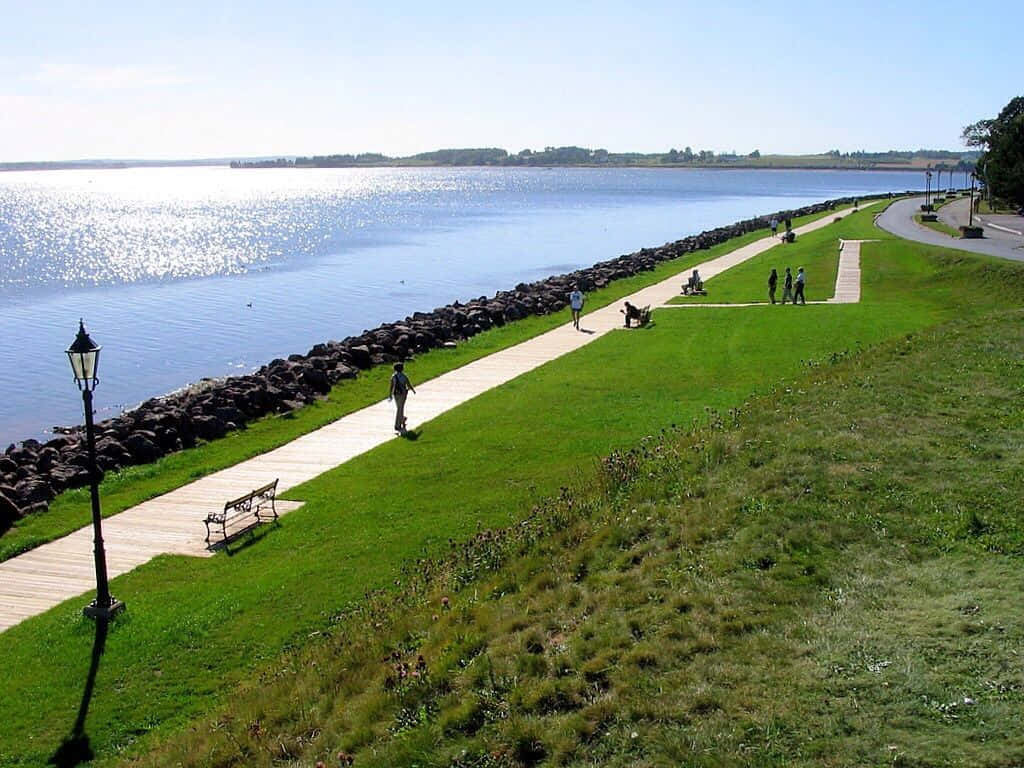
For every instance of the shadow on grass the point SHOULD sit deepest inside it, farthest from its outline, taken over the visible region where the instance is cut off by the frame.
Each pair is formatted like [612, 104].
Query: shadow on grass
[412, 434]
[243, 538]
[75, 749]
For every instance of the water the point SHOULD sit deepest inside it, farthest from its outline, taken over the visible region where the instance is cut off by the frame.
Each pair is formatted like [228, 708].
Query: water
[182, 273]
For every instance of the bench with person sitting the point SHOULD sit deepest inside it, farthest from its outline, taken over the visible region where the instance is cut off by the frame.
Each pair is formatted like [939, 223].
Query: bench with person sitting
[642, 316]
[694, 286]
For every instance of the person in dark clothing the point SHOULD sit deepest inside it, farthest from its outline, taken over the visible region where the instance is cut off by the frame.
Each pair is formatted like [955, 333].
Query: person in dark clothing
[773, 280]
[398, 391]
[787, 286]
[631, 313]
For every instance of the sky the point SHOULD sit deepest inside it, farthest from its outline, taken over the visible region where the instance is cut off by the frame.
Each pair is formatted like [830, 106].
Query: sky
[188, 79]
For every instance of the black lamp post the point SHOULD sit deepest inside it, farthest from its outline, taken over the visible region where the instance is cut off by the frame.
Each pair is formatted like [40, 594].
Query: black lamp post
[928, 187]
[970, 216]
[84, 356]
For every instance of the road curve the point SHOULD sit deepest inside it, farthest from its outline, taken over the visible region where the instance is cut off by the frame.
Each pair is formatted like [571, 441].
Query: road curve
[898, 219]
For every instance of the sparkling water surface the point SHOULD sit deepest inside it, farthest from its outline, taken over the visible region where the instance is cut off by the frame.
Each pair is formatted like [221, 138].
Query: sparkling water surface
[182, 273]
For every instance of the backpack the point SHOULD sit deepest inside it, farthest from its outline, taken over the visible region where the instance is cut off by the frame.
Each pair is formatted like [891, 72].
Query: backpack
[401, 384]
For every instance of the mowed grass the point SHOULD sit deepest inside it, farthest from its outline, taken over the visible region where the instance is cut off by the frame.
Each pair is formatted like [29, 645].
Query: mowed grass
[817, 253]
[196, 629]
[822, 577]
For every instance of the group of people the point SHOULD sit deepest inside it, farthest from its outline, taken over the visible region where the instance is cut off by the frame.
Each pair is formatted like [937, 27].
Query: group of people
[792, 288]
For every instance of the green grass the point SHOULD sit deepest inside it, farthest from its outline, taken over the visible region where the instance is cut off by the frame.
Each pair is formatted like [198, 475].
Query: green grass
[819, 578]
[197, 629]
[938, 226]
[817, 253]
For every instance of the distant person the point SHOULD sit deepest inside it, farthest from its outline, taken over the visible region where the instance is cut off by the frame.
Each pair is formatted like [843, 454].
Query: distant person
[787, 286]
[693, 284]
[775, 228]
[773, 280]
[800, 277]
[576, 305]
[789, 225]
[631, 313]
[400, 388]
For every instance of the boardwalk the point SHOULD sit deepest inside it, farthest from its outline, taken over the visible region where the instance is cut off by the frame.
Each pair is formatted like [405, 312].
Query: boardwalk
[52, 573]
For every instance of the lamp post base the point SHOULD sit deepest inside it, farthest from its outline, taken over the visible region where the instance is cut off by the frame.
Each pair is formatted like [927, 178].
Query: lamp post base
[95, 610]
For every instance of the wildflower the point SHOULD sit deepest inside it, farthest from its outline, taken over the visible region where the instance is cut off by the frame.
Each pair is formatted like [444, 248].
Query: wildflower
[445, 603]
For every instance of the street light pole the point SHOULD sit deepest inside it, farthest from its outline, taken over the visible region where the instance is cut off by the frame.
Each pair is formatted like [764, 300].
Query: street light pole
[84, 357]
[970, 216]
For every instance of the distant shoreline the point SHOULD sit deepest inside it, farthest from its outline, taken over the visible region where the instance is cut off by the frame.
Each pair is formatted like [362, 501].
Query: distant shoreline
[238, 165]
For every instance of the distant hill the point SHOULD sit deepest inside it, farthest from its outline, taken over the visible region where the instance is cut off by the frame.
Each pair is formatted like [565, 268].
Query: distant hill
[579, 156]
[919, 159]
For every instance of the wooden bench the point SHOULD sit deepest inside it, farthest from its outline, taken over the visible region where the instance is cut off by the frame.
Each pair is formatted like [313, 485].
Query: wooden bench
[251, 504]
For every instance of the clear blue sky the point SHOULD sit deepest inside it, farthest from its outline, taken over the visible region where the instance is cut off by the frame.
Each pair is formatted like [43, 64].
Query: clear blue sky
[213, 78]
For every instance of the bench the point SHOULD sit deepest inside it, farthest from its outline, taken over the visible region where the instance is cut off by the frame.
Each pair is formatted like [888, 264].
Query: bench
[642, 315]
[251, 504]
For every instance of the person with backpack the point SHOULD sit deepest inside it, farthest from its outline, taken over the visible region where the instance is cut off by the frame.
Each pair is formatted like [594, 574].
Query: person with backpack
[400, 388]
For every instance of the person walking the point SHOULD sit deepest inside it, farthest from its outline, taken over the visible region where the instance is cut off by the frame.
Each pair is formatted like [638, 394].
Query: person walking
[787, 286]
[576, 300]
[800, 277]
[400, 388]
[773, 280]
[775, 226]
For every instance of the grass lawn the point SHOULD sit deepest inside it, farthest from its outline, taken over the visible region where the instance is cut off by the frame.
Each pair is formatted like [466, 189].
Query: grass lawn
[820, 579]
[938, 226]
[196, 629]
[817, 253]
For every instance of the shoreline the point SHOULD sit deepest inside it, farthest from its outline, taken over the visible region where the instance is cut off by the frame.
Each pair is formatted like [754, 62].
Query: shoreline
[33, 167]
[33, 473]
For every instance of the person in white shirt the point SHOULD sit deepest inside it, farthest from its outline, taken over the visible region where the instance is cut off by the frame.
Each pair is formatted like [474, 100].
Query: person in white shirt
[799, 294]
[576, 300]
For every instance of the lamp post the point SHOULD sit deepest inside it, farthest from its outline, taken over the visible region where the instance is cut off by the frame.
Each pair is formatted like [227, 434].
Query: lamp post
[928, 188]
[970, 216]
[84, 356]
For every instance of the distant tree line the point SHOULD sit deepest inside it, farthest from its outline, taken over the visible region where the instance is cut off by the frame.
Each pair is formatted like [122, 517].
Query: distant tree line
[572, 155]
[1001, 165]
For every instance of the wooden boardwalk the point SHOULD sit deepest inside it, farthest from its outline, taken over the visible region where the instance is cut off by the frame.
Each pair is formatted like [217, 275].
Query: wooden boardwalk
[172, 524]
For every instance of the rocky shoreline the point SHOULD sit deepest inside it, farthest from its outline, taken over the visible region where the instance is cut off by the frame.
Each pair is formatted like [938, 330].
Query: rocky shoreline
[33, 473]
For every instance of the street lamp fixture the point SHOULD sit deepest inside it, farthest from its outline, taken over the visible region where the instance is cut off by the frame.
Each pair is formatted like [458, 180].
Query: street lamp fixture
[928, 188]
[84, 356]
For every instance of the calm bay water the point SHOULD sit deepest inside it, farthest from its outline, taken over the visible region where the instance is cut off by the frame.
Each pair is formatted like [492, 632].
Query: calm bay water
[182, 273]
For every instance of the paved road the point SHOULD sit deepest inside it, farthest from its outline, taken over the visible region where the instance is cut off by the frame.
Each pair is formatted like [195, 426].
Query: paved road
[899, 220]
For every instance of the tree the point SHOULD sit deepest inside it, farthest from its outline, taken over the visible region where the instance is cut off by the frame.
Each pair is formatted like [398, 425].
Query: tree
[688, 155]
[1002, 162]
[755, 154]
